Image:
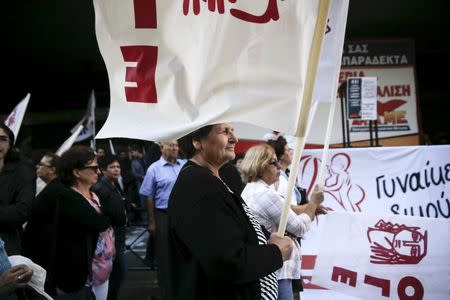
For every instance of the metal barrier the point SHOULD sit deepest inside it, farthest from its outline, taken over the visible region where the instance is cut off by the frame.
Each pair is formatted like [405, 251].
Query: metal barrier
[129, 248]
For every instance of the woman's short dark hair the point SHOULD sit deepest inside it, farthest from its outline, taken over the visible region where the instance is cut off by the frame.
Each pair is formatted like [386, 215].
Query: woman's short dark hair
[185, 142]
[278, 145]
[74, 158]
[107, 159]
[12, 154]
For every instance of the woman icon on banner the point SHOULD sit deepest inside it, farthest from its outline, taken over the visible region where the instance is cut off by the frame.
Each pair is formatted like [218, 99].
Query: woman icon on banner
[339, 184]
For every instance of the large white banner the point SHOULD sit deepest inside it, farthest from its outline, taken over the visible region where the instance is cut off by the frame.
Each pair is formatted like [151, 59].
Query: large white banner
[175, 66]
[384, 257]
[412, 181]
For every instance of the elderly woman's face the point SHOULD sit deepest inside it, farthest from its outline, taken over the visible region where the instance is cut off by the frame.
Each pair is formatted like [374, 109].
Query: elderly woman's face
[218, 146]
[4, 143]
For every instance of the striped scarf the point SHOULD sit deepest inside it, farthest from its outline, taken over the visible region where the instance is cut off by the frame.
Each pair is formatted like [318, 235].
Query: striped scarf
[269, 283]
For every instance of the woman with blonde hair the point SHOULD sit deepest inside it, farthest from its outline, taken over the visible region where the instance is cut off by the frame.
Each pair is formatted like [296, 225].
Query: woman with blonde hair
[262, 169]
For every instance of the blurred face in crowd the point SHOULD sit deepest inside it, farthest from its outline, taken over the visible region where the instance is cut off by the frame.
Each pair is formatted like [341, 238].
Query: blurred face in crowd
[4, 144]
[88, 175]
[100, 152]
[45, 170]
[286, 158]
[218, 147]
[136, 154]
[169, 150]
[112, 171]
[123, 155]
[271, 171]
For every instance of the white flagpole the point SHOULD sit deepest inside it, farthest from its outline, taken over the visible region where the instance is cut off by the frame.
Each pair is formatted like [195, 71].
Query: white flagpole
[111, 147]
[326, 145]
[319, 33]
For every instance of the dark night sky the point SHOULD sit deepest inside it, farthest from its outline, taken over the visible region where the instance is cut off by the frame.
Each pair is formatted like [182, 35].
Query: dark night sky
[49, 49]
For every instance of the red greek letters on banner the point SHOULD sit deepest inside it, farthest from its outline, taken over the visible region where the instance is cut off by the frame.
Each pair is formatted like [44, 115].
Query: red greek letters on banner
[143, 74]
[271, 12]
[145, 57]
[145, 13]
[349, 277]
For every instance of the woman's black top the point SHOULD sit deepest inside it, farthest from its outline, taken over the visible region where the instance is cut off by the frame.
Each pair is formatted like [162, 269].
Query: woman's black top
[213, 247]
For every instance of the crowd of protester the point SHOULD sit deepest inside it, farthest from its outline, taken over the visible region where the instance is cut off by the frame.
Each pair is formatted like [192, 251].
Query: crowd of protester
[212, 218]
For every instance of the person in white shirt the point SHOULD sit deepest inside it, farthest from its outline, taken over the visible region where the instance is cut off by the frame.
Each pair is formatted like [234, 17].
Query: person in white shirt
[262, 169]
[284, 156]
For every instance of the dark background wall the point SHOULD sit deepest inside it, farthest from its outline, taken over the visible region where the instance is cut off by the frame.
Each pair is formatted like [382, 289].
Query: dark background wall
[49, 49]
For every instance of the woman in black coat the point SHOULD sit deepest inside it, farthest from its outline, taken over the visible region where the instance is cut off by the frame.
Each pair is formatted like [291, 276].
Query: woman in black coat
[16, 192]
[217, 249]
[67, 221]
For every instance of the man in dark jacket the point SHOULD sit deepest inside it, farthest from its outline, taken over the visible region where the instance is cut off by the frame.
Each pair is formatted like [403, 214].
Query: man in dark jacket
[40, 225]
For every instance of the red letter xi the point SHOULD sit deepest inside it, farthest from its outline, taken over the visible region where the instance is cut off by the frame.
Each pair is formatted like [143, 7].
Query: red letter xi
[143, 74]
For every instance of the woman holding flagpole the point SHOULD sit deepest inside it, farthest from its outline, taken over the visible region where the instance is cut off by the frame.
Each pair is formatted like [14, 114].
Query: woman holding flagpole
[262, 169]
[217, 249]
[17, 190]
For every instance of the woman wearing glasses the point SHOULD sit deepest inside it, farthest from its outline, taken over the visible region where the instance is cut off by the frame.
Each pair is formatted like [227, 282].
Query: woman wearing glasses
[16, 192]
[83, 239]
[262, 169]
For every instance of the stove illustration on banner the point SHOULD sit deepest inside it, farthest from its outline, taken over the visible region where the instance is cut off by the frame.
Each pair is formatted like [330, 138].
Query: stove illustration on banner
[395, 244]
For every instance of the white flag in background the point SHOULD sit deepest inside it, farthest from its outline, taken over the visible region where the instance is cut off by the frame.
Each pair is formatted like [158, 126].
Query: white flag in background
[69, 142]
[175, 66]
[87, 121]
[14, 120]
